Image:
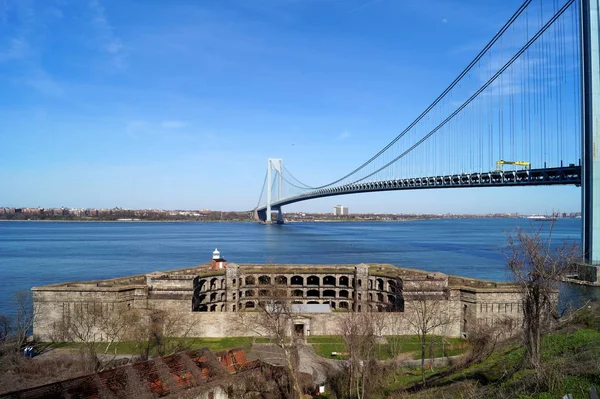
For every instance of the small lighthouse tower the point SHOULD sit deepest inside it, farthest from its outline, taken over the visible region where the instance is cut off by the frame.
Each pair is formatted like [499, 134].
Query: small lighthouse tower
[217, 261]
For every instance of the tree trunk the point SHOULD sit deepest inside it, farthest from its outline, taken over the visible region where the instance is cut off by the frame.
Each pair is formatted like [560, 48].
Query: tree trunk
[423, 338]
[292, 371]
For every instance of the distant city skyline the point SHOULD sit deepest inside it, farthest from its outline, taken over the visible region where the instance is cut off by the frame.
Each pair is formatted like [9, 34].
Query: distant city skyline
[178, 105]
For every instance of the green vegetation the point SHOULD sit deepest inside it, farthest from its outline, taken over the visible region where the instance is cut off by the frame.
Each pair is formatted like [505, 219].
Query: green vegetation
[130, 347]
[570, 364]
[396, 345]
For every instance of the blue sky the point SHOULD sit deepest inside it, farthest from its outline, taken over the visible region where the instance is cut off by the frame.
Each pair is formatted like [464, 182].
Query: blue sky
[178, 105]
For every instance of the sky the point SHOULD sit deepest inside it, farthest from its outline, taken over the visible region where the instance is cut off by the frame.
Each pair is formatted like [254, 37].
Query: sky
[179, 104]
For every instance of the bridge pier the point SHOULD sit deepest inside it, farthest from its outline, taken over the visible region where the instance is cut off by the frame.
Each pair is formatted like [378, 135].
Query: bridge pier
[590, 168]
[279, 216]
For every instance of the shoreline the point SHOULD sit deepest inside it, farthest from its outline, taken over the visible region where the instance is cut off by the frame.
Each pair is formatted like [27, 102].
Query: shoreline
[258, 222]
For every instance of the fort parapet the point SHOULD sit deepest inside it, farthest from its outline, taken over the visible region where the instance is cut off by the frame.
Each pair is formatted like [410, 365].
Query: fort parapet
[212, 298]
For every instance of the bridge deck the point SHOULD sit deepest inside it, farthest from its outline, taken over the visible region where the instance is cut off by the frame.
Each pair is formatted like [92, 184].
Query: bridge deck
[527, 177]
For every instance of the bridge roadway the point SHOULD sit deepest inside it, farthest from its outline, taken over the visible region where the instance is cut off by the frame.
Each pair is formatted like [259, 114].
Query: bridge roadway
[526, 177]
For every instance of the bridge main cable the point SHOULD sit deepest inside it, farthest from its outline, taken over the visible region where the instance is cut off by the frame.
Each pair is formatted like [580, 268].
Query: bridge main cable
[436, 101]
[478, 92]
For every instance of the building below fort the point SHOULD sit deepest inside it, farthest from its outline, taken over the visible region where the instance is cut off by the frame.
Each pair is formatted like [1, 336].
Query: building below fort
[218, 298]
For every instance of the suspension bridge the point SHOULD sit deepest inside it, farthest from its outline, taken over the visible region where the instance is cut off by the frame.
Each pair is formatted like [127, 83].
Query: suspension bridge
[525, 111]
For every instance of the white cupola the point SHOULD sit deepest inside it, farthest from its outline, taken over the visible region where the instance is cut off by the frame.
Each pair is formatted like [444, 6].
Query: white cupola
[216, 254]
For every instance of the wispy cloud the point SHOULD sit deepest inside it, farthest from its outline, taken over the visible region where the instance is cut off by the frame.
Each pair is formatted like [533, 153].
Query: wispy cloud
[143, 128]
[17, 48]
[343, 135]
[365, 5]
[173, 124]
[44, 83]
[110, 43]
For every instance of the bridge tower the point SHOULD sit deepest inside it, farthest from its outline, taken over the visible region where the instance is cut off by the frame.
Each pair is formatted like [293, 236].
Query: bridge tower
[274, 165]
[590, 168]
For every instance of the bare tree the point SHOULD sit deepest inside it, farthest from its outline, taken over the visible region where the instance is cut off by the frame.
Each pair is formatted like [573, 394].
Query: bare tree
[427, 313]
[538, 267]
[94, 327]
[16, 327]
[158, 331]
[360, 331]
[275, 321]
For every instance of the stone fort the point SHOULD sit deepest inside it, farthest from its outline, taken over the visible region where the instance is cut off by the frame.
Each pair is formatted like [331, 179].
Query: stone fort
[212, 296]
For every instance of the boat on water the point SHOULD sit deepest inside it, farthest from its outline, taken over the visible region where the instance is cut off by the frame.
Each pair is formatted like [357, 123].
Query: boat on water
[541, 218]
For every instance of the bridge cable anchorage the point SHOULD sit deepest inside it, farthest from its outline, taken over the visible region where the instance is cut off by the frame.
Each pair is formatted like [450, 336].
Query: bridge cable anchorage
[481, 89]
[438, 99]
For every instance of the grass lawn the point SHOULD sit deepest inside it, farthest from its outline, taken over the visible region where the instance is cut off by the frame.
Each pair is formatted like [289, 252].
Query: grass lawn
[130, 347]
[325, 345]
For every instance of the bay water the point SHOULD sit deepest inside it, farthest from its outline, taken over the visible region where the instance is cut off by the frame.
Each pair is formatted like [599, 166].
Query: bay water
[39, 253]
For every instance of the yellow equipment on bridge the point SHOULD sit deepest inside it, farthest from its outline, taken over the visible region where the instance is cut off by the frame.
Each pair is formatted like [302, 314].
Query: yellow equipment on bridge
[501, 162]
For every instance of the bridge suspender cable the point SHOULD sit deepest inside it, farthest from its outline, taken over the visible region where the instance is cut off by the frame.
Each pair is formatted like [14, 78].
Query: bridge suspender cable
[437, 100]
[262, 191]
[489, 82]
[305, 186]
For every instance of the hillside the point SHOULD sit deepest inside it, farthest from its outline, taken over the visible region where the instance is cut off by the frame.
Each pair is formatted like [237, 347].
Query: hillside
[570, 364]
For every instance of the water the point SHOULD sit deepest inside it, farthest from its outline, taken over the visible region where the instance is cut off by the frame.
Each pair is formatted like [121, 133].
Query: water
[40, 253]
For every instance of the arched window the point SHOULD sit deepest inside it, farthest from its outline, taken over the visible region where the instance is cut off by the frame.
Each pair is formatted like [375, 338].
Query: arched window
[202, 299]
[222, 283]
[213, 308]
[312, 293]
[344, 281]
[379, 297]
[312, 302]
[329, 294]
[201, 286]
[264, 292]
[298, 293]
[380, 284]
[312, 280]
[213, 283]
[393, 286]
[249, 293]
[297, 280]
[264, 280]
[329, 280]
[343, 294]
[213, 296]
[203, 308]
[250, 280]
[344, 305]
[281, 280]
[250, 305]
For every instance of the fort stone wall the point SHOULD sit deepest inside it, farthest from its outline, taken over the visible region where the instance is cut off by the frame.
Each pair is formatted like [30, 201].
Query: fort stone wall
[225, 299]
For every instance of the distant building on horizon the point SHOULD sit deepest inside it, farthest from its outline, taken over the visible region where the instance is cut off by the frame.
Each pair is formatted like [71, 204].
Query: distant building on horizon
[340, 210]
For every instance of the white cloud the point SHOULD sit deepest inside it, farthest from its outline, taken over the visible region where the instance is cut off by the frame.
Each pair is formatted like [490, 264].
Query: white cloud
[135, 128]
[173, 124]
[343, 135]
[17, 48]
[444, 20]
[110, 43]
[44, 83]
